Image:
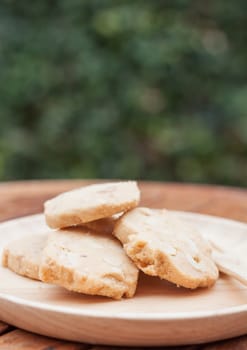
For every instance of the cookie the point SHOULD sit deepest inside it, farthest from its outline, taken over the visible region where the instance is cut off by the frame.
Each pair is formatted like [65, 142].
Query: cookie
[162, 245]
[23, 256]
[104, 225]
[84, 261]
[91, 203]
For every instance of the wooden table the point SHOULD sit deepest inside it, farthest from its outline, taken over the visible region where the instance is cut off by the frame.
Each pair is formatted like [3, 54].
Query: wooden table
[25, 198]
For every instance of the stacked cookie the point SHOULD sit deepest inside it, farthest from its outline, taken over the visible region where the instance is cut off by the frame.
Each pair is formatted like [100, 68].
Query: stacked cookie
[101, 240]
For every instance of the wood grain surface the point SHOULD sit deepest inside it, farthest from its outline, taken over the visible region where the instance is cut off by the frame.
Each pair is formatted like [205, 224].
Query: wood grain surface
[27, 197]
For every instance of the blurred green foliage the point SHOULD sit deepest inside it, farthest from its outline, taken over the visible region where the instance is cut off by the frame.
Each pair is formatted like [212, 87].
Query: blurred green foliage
[124, 89]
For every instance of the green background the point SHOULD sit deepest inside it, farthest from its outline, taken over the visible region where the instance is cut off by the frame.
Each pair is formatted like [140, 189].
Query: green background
[124, 89]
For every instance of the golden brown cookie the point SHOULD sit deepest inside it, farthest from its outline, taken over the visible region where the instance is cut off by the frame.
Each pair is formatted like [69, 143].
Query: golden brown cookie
[91, 203]
[104, 225]
[88, 262]
[23, 255]
[162, 245]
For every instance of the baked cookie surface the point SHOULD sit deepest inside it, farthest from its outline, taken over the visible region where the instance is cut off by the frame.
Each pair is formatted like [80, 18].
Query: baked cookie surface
[91, 203]
[88, 262]
[104, 225]
[161, 245]
[23, 255]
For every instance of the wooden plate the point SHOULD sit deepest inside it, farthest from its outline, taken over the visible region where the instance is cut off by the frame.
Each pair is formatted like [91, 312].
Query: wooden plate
[159, 314]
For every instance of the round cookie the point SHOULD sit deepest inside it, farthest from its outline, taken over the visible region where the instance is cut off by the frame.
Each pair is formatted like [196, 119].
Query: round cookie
[161, 245]
[88, 262]
[23, 255]
[91, 203]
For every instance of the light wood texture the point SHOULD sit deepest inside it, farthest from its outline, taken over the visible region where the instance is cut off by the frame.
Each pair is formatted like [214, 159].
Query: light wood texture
[159, 314]
[22, 340]
[23, 198]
